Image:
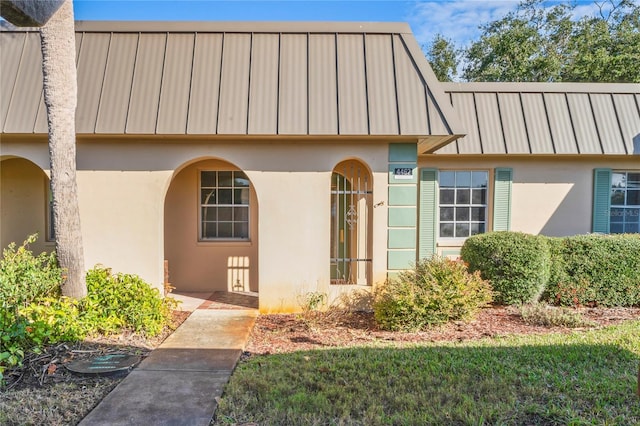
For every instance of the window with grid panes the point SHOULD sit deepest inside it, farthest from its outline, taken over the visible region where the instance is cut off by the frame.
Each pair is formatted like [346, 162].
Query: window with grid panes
[224, 205]
[463, 203]
[625, 202]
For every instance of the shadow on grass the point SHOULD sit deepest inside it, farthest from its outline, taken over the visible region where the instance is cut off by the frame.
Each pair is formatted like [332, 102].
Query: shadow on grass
[587, 378]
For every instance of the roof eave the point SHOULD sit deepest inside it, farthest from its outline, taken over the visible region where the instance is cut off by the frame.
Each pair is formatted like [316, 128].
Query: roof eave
[430, 144]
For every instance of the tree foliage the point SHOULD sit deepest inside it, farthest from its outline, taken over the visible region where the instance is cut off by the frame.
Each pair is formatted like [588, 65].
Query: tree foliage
[443, 57]
[537, 42]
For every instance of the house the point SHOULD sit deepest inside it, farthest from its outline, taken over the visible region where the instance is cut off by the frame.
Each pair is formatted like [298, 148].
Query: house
[290, 158]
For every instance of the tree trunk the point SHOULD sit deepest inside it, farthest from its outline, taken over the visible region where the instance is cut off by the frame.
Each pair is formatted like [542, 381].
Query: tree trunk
[60, 97]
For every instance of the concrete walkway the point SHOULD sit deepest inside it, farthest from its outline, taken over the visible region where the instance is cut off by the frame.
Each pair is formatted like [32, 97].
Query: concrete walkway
[180, 381]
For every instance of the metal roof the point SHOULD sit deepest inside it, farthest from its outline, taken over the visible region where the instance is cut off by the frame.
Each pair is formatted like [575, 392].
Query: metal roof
[224, 78]
[546, 118]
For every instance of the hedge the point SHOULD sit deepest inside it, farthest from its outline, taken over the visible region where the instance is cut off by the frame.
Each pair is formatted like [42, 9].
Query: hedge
[517, 264]
[582, 270]
[595, 270]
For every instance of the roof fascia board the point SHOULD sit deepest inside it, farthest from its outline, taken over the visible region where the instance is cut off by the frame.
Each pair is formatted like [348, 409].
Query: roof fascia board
[510, 87]
[435, 86]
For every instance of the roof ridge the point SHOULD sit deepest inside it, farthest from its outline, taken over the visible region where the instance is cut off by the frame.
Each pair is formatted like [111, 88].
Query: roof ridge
[233, 26]
[538, 87]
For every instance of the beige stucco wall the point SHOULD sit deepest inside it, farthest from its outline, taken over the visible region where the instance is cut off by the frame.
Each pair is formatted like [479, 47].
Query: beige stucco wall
[23, 203]
[122, 189]
[550, 195]
[128, 190]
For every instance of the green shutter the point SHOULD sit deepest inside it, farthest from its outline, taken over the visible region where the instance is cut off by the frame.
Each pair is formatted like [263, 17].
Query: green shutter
[601, 200]
[428, 212]
[502, 199]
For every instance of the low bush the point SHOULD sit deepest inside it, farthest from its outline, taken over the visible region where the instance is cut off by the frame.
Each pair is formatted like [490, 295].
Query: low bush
[545, 315]
[590, 270]
[435, 291]
[118, 301]
[516, 264]
[25, 277]
[33, 314]
[24, 280]
[52, 320]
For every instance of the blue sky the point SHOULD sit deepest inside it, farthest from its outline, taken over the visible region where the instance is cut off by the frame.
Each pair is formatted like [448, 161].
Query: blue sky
[456, 19]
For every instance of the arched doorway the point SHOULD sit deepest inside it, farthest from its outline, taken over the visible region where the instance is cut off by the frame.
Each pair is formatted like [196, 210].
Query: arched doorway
[211, 230]
[351, 221]
[25, 204]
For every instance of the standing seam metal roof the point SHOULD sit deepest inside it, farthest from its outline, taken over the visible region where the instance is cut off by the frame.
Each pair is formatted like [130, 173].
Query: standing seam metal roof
[261, 79]
[546, 118]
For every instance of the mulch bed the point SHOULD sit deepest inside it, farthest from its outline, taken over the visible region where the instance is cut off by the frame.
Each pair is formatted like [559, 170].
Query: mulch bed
[288, 333]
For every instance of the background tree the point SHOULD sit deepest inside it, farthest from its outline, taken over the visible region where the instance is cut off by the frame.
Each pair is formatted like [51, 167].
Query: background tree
[60, 97]
[443, 57]
[606, 47]
[539, 43]
[528, 44]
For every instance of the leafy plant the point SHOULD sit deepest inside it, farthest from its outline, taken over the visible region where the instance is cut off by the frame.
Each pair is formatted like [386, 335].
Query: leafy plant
[312, 304]
[24, 279]
[52, 320]
[516, 264]
[33, 314]
[435, 291]
[117, 301]
[312, 301]
[545, 315]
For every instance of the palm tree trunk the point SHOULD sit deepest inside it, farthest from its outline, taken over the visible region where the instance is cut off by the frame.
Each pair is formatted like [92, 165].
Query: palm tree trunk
[60, 97]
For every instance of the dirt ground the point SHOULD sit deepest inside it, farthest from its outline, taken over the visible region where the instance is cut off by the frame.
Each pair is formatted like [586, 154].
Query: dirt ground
[44, 376]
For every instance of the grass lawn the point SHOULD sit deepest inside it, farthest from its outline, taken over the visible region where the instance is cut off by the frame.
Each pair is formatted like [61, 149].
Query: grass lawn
[582, 378]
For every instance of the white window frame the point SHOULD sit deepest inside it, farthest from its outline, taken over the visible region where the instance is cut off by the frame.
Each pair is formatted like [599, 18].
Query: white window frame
[232, 205]
[631, 211]
[454, 221]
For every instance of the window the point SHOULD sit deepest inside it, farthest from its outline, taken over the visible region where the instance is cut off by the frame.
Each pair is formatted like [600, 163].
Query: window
[224, 205]
[463, 203]
[625, 202]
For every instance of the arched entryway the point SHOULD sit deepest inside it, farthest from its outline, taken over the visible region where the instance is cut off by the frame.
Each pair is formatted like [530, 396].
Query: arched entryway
[351, 223]
[25, 204]
[211, 230]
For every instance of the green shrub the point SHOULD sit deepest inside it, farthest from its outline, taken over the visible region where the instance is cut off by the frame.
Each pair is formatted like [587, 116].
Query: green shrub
[516, 264]
[52, 320]
[33, 314]
[24, 279]
[545, 315]
[13, 340]
[437, 290]
[591, 270]
[117, 301]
